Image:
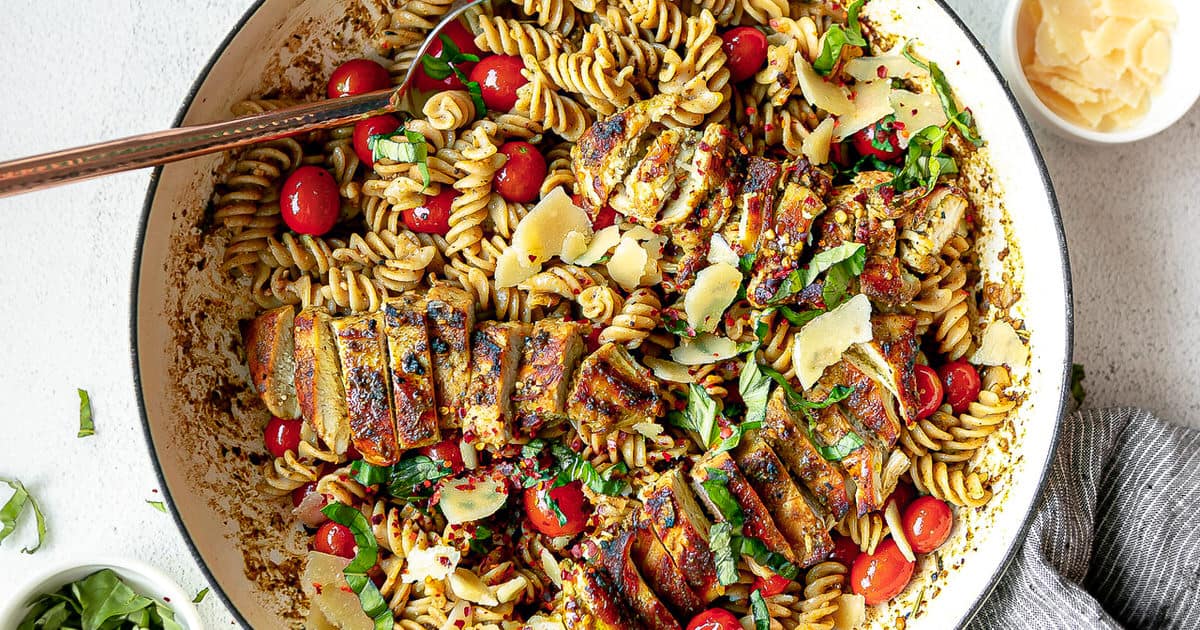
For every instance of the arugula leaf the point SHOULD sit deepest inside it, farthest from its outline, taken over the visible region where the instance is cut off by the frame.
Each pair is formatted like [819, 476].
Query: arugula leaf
[12, 511]
[717, 487]
[925, 161]
[200, 596]
[158, 505]
[1077, 376]
[86, 426]
[848, 444]
[369, 596]
[853, 254]
[959, 118]
[413, 150]
[721, 541]
[699, 417]
[758, 607]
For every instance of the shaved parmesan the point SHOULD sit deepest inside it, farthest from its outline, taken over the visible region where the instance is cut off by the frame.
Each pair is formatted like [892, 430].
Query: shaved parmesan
[538, 622]
[325, 584]
[1156, 10]
[468, 500]
[648, 429]
[603, 241]
[703, 349]
[851, 612]
[915, 112]
[834, 99]
[715, 289]
[640, 233]
[669, 370]
[816, 146]
[889, 66]
[574, 245]
[1001, 346]
[436, 563]
[822, 341]
[466, 585]
[719, 251]
[540, 233]
[1156, 54]
[870, 104]
[514, 267]
[628, 263]
[651, 273]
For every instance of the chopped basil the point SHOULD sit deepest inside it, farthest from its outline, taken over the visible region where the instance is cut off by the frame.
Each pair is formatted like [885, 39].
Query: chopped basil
[12, 511]
[699, 417]
[571, 467]
[1077, 376]
[746, 261]
[533, 448]
[796, 401]
[86, 426]
[755, 390]
[370, 474]
[758, 608]
[851, 256]
[925, 161]
[200, 596]
[675, 324]
[716, 485]
[848, 444]
[369, 596]
[158, 505]
[402, 145]
[481, 535]
[448, 63]
[99, 601]
[776, 562]
[837, 37]
[959, 118]
[720, 540]
[797, 319]
[406, 479]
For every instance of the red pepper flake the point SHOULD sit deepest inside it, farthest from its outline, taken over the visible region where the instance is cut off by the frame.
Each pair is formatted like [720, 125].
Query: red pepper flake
[376, 519]
[751, 110]
[666, 456]
[469, 437]
[897, 125]
[769, 127]
[345, 589]
[317, 587]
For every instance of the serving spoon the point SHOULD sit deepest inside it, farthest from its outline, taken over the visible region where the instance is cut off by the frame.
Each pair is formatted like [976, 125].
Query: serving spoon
[180, 143]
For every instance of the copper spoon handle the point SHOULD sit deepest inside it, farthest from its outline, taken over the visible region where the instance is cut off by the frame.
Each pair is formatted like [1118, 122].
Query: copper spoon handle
[171, 145]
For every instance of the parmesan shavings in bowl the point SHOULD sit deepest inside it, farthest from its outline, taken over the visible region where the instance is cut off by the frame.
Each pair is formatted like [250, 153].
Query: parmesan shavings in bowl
[1096, 63]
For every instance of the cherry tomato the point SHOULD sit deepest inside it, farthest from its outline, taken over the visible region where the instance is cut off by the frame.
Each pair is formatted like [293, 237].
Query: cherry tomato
[352, 452]
[845, 550]
[357, 76]
[773, 585]
[570, 501]
[434, 216]
[335, 539]
[303, 491]
[929, 391]
[746, 48]
[282, 436]
[878, 140]
[715, 619]
[592, 341]
[902, 495]
[447, 453]
[310, 201]
[839, 154]
[466, 45]
[520, 179]
[927, 523]
[881, 576]
[373, 126]
[962, 384]
[498, 77]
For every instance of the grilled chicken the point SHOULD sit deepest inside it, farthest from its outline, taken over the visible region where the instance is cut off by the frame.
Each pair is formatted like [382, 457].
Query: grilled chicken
[616, 555]
[802, 524]
[269, 354]
[784, 433]
[548, 360]
[681, 525]
[884, 280]
[603, 156]
[451, 313]
[890, 358]
[863, 465]
[495, 357]
[708, 168]
[754, 205]
[655, 178]
[871, 403]
[612, 391]
[362, 351]
[659, 569]
[319, 390]
[411, 371]
[781, 245]
[759, 522]
[934, 220]
[589, 600]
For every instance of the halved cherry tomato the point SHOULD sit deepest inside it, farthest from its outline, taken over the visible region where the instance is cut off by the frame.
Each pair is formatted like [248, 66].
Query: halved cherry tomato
[335, 539]
[839, 153]
[902, 495]
[498, 77]
[466, 44]
[773, 585]
[746, 49]
[878, 140]
[299, 493]
[929, 391]
[357, 76]
[434, 216]
[927, 523]
[606, 217]
[520, 179]
[962, 384]
[715, 619]
[310, 201]
[446, 453]
[570, 502]
[373, 126]
[592, 341]
[880, 576]
[282, 436]
[845, 550]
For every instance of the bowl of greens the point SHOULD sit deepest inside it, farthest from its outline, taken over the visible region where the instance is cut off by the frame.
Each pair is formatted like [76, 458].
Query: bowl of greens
[101, 594]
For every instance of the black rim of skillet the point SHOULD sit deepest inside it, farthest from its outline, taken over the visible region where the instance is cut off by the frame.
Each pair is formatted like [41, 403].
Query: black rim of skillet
[1009, 555]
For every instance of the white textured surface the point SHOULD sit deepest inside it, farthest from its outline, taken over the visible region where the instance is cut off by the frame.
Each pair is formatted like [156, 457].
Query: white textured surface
[119, 67]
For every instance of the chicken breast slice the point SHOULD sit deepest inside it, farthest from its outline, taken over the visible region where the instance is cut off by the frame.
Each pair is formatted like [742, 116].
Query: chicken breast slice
[319, 390]
[411, 371]
[786, 432]
[681, 525]
[800, 521]
[362, 352]
[451, 318]
[548, 360]
[495, 357]
[270, 348]
[613, 392]
[759, 522]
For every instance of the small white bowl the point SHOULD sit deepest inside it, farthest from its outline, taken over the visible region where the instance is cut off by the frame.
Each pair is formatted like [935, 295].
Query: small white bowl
[1180, 87]
[141, 577]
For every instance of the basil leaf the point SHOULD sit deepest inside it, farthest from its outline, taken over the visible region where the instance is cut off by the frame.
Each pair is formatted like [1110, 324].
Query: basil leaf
[163, 616]
[675, 324]
[413, 150]
[699, 417]
[720, 540]
[848, 444]
[836, 38]
[755, 388]
[86, 426]
[409, 477]
[758, 607]
[796, 401]
[200, 596]
[436, 67]
[103, 597]
[481, 535]
[533, 448]
[369, 596]
[799, 279]
[369, 474]
[1077, 376]
[758, 550]
[717, 487]
[158, 505]
[580, 469]
[12, 511]
[924, 162]
[746, 261]
[962, 119]
[837, 284]
[852, 20]
[476, 93]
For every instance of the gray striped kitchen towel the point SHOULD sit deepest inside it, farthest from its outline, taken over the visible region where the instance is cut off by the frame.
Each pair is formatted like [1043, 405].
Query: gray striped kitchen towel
[1115, 542]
